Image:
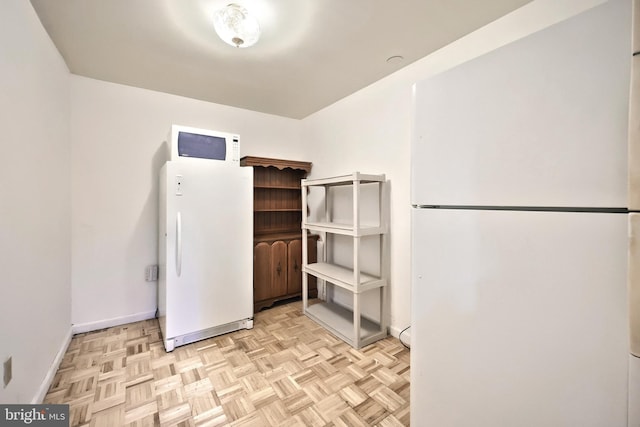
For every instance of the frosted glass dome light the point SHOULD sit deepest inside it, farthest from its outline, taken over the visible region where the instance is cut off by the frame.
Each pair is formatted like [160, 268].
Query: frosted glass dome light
[236, 26]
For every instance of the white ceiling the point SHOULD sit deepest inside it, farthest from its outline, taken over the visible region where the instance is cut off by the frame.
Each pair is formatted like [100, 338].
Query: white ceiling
[311, 53]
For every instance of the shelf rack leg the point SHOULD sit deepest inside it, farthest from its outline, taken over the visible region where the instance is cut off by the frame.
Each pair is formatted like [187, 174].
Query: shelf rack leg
[327, 204]
[327, 217]
[356, 265]
[305, 251]
[384, 256]
[305, 278]
[356, 320]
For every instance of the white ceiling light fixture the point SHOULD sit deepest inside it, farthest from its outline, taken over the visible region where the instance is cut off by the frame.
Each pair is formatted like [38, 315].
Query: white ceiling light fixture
[236, 26]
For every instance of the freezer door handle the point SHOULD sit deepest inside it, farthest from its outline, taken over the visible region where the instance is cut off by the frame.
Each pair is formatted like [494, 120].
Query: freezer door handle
[178, 244]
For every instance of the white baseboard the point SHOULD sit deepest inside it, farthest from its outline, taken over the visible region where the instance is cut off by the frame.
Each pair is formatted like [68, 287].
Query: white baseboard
[48, 379]
[406, 335]
[80, 328]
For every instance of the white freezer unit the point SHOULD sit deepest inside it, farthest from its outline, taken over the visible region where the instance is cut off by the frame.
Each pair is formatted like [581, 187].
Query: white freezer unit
[206, 250]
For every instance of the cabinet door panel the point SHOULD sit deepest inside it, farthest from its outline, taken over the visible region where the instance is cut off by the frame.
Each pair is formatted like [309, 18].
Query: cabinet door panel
[278, 269]
[261, 271]
[295, 267]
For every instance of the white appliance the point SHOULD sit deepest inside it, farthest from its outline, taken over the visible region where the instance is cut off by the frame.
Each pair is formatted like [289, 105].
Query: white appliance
[189, 142]
[205, 250]
[520, 234]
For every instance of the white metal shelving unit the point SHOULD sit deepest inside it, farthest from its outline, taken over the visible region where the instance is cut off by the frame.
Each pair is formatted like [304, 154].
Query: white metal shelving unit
[347, 323]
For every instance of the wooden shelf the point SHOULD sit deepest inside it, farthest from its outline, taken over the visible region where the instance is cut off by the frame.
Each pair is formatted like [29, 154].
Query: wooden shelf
[339, 321]
[277, 210]
[272, 237]
[276, 163]
[277, 187]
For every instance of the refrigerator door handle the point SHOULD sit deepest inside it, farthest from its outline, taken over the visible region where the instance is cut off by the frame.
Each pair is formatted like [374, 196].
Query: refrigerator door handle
[633, 284]
[178, 244]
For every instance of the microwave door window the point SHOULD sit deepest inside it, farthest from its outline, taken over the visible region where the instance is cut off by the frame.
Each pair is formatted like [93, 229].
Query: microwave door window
[202, 146]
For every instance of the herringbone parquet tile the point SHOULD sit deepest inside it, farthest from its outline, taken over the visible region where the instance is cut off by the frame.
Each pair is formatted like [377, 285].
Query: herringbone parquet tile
[286, 371]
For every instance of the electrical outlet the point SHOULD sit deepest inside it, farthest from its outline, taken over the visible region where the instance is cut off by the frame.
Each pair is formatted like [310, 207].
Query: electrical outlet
[7, 372]
[151, 273]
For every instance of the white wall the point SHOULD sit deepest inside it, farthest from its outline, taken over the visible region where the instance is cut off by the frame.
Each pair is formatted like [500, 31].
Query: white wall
[370, 131]
[106, 149]
[35, 262]
[118, 135]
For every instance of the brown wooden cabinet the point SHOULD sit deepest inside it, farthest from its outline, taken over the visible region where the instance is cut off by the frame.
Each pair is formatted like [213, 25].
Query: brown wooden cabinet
[277, 219]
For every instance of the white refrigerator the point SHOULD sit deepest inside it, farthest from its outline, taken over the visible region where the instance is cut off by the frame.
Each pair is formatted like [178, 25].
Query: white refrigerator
[206, 250]
[521, 240]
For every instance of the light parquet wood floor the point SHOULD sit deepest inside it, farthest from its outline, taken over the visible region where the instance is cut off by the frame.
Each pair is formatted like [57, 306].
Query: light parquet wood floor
[286, 371]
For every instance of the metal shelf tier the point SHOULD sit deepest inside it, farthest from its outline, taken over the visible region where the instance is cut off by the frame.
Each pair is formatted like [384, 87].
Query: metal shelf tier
[344, 180]
[343, 277]
[344, 229]
[339, 321]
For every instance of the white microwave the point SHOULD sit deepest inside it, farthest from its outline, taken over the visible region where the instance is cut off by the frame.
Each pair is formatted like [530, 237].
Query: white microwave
[189, 143]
